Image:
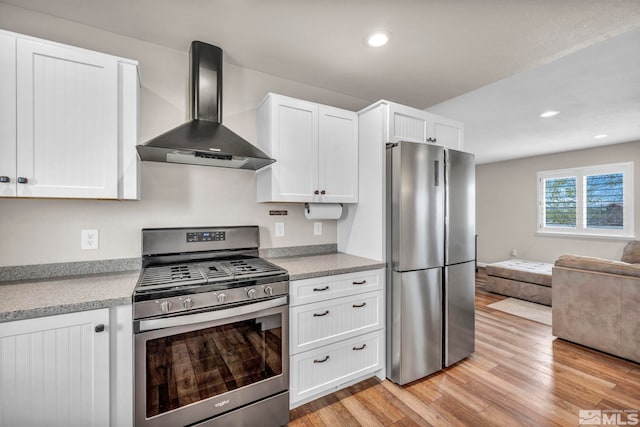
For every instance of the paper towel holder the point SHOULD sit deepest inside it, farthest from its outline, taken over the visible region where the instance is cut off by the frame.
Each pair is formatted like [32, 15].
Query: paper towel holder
[306, 206]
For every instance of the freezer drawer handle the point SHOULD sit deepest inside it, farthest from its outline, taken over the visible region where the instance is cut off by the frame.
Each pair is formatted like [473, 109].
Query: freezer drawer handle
[359, 283]
[359, 305]
[321, 360]
[321, 314]
[5, 179]
[362, 347]
[326, 288]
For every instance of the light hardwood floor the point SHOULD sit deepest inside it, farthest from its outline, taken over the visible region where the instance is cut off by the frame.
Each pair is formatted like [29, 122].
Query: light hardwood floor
[519, 375]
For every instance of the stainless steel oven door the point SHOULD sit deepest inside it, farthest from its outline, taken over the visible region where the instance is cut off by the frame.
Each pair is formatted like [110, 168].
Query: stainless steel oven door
[193, 367]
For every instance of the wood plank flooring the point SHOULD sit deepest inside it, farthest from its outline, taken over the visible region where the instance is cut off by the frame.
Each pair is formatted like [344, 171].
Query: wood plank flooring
[519, 375]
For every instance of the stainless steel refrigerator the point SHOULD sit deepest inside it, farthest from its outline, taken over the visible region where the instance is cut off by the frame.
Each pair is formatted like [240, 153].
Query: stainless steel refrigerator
[430, 216]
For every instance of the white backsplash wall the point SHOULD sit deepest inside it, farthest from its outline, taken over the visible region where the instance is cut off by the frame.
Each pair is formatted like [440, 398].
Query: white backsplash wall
[36, 231]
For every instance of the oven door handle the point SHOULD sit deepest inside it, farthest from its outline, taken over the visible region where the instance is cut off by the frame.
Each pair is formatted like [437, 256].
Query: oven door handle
[190, 319]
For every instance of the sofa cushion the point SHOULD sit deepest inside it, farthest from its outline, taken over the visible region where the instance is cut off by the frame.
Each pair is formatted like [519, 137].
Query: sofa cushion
[631, 252]
[522, 270]
[598, 265]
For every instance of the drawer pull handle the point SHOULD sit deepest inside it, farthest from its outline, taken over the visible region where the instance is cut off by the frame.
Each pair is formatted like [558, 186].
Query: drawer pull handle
[326, 288]
[362, 347]
[321, 360]
[321, 314]
[359, 305]
[360, 283]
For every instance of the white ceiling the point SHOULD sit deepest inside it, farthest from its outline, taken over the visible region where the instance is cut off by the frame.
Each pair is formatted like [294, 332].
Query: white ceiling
[439, 49]
[596, 90]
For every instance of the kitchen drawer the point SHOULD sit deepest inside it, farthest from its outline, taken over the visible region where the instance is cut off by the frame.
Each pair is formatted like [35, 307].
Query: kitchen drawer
[314, 325]
[326, 368]
[340, 285]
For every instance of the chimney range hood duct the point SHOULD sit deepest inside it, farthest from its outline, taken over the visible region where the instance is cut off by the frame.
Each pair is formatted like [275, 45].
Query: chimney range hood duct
[204, 140]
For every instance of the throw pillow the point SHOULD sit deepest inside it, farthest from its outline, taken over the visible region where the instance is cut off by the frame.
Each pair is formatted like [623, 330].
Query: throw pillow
[631, 252]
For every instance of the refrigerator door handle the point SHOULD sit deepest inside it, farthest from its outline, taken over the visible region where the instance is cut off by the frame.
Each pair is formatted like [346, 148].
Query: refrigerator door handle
[436, 171]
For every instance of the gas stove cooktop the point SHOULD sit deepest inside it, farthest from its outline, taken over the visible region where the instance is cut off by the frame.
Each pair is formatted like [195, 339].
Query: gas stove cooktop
[190, 269]
[210, 272]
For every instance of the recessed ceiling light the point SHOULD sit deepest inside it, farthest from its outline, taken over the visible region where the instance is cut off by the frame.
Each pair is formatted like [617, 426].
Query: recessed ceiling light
[602, 135]
[378, 39]
[549, 113]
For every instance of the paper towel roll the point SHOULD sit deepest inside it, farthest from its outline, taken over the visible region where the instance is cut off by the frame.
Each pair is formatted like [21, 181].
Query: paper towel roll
[322, 210]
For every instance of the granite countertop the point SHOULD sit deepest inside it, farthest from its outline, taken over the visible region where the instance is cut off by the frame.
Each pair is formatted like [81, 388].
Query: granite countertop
[305, 267]
[27, 299]
[37, 297]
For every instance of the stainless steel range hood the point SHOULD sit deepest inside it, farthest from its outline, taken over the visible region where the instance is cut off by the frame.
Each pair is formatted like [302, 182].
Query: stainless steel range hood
[204, 140]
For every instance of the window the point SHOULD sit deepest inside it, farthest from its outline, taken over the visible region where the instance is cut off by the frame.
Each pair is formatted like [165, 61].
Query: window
[591, 201]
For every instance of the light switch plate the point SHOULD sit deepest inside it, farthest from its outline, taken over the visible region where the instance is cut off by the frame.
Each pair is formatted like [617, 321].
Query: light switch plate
[89, 239]
[279, 229]
[317, 229]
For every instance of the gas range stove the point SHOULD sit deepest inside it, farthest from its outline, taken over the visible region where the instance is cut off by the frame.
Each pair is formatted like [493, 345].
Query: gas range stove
[194, 269]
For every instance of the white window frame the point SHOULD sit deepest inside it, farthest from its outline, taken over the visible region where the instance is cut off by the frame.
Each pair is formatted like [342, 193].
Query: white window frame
[581, 174]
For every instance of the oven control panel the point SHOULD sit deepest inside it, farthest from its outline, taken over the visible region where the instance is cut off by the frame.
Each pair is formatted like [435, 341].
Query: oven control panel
[213, 299]
[206, 236]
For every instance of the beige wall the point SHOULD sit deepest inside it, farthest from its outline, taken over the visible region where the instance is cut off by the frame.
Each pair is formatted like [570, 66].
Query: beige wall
[44, 231]
[507, 212]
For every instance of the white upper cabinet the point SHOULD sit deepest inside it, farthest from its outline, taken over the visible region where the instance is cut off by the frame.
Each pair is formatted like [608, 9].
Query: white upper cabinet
[287, 131]
[407, 124]
[338, 155]
[413, 125]
[76, 116]
[447, 132]
[7, 115]
[316, 152]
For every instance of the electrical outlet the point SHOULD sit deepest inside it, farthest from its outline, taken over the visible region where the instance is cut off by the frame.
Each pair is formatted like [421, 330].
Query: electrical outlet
[514, 252]
[89, 239]
[317, 229]
[279, 229]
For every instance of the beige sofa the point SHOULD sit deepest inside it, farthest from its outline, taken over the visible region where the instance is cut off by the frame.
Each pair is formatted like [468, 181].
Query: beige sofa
[596, 303]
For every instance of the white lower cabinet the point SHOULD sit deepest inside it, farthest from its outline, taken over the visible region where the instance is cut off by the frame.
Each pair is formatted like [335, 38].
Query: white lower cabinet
[320, 323]
[325, 368]
[336, 332]
[63, 370]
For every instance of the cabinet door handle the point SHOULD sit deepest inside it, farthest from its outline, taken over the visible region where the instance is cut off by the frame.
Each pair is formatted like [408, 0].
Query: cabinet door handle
[316, 192]
[325, 288]
[99, 328]
[22, 180]
[359, 305]
[359, 283]
[362, 347]
[321, 314]
[323, 192]
[5, 179]
[321, 360]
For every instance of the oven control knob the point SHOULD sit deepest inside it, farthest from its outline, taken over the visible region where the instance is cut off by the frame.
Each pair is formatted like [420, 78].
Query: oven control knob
[165, 306]
[251, 293]
[268, 290]
[187, 303]
[222, 298]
